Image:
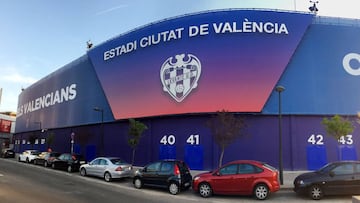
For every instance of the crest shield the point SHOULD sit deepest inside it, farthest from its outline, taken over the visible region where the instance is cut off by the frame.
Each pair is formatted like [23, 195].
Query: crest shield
[180, 76]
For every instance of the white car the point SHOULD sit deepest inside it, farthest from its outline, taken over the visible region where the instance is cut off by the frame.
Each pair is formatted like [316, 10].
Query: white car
[28, 156]
[108, 168]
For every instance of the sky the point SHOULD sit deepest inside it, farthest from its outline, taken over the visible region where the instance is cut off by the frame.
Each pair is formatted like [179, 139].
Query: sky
[40, 36]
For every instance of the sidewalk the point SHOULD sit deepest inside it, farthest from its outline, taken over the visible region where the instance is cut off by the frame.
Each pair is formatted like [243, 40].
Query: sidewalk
[289, 177]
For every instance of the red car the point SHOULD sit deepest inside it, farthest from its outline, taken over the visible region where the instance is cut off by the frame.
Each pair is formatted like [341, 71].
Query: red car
[243, 177]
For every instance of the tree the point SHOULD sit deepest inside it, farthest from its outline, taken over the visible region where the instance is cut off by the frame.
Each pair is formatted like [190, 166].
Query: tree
[225, 128]
[136, 129]
[337, 126]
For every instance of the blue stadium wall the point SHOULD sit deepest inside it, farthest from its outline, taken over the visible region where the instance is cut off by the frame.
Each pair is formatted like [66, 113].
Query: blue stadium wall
[202, 63]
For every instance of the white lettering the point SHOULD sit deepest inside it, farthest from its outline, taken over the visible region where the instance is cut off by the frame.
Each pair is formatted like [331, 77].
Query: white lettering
[347, 66]
[59, 96]
[246, 26]
[164, 36]
[250, 27]
[120, 50]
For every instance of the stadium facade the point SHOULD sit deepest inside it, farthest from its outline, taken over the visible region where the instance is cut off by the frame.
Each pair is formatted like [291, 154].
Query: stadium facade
[173, 75]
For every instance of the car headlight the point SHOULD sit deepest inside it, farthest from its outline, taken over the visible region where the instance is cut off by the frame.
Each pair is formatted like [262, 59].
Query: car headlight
[301, 182]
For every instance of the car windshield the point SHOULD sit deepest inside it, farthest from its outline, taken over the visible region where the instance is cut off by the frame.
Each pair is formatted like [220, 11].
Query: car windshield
[117, 161]
[327, 168]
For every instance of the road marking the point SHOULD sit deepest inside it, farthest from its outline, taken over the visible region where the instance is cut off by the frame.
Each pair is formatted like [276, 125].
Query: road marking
[1, 175]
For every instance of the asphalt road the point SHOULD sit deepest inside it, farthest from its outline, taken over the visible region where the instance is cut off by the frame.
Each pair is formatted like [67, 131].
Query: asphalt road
[27, 183]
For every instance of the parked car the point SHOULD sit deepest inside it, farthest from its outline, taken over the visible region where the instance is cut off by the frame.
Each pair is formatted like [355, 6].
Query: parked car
[108, 168]
[337, 178]
[28, 156]
[7, 153]
[242, 177]
[69, 162]
[46, 158]
[171, 174]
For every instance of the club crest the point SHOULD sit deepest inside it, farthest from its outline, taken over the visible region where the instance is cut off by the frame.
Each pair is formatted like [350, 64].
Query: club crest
[180, 76]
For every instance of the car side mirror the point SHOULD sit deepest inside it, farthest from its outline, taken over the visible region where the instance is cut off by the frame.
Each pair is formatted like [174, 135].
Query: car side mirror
[217, 173]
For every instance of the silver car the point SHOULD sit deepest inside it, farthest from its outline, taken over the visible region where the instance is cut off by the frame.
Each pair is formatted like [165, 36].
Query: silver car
[108, 168]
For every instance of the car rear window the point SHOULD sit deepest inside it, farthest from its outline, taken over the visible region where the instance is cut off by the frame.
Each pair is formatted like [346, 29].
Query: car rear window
[117, 161]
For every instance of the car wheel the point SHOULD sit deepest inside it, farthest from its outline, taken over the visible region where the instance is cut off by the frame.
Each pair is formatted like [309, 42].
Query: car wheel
[138, 183]
[205, 190]
[82, 172]
[174, 188]
[316, 192]
[261, 191]
[107, 177]
[69, 169]
[35, 162]
[19, 159]
[27, 160]
[53, 165]
[45, 164]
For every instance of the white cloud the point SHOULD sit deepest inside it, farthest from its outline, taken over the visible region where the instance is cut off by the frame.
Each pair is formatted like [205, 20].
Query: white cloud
[111, 9]
[17, 78]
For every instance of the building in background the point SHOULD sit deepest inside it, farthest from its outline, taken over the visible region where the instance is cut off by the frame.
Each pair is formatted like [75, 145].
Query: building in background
[7, 129]
[173, 75]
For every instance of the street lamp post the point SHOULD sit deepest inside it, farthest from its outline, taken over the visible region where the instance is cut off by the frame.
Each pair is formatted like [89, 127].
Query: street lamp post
[280, 89]
[72, 142]
[102, 128]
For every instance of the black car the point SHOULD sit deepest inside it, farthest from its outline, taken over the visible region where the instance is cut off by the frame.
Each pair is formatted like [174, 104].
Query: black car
[171, 174]
[69, 162]
[46, 158]
[7, 153]
[337, 178]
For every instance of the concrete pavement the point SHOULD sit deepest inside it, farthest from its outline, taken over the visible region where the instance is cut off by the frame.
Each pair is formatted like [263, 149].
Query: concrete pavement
[289, 177]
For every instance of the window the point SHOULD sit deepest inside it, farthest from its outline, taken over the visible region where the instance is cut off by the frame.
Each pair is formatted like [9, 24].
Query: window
[357, 168]
[117, 161]
[344, 169]
[96, 162]
[229, 170]
[153, 167]
[103, 162]
[166, 166]
[246, 169]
